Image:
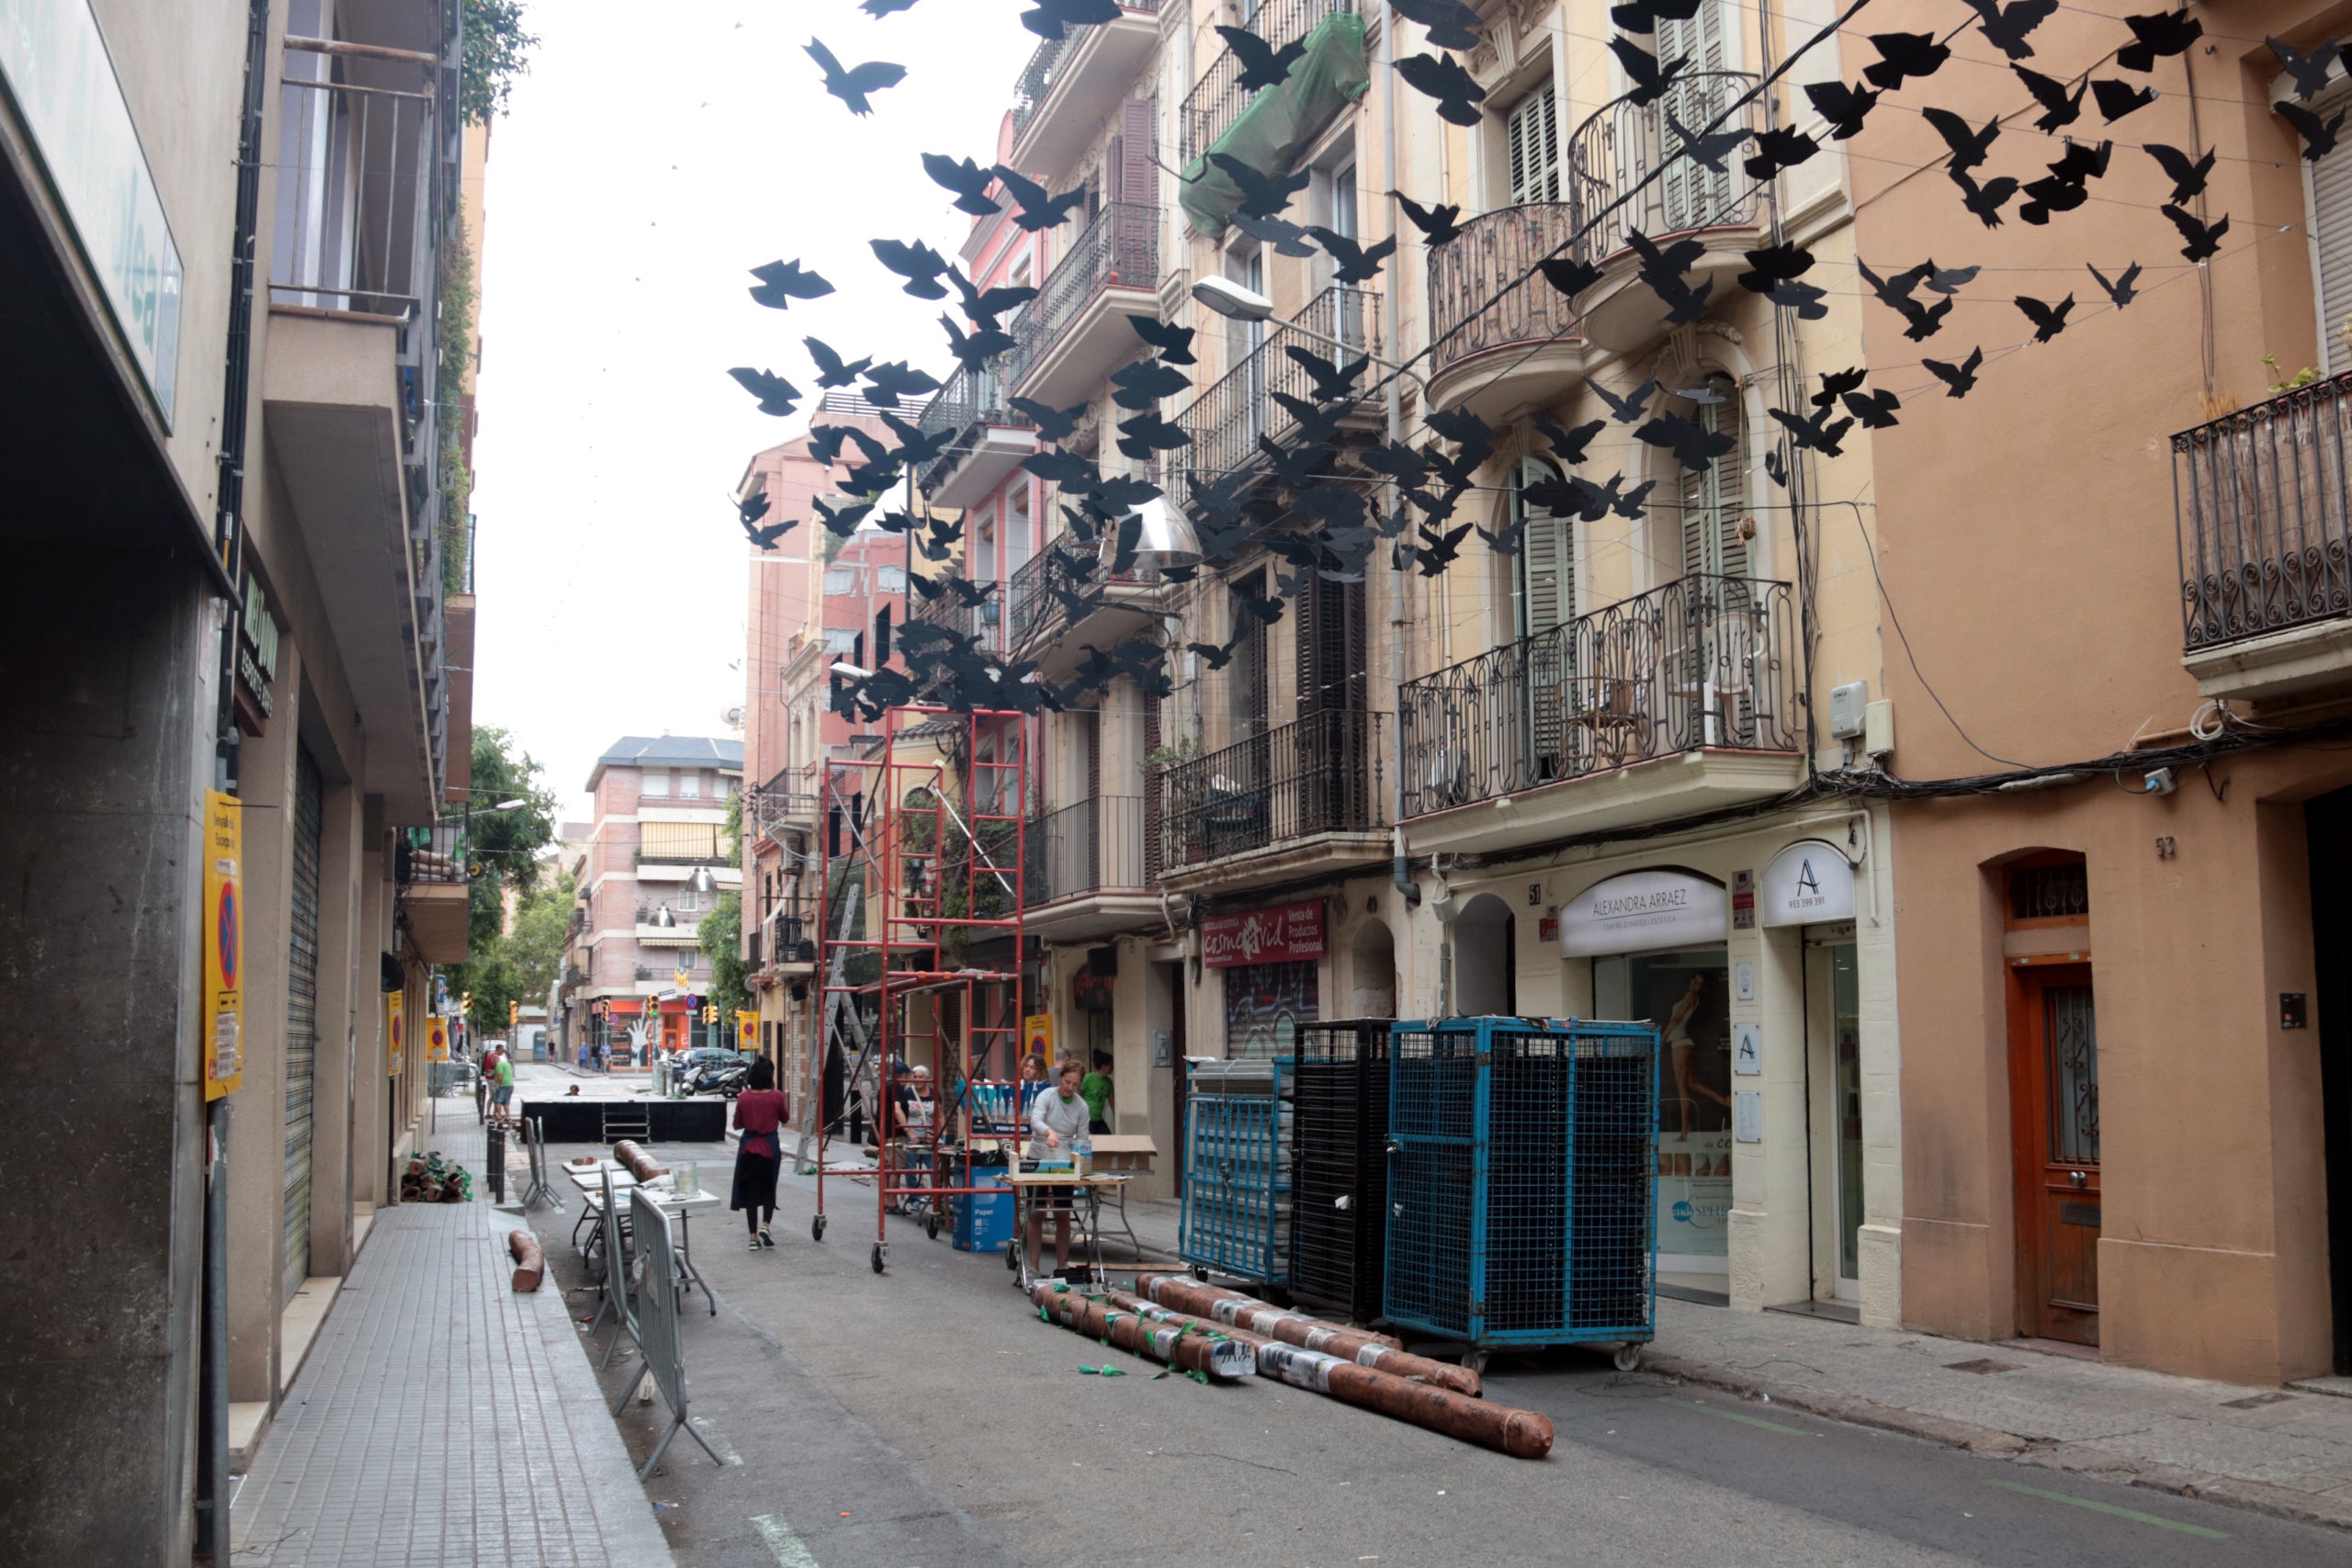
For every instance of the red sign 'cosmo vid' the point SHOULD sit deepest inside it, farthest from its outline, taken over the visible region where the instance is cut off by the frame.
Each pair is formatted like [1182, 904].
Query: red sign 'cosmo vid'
[1284, 935]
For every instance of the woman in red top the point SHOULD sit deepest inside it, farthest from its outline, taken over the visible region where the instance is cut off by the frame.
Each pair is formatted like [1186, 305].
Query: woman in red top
[759, 1113]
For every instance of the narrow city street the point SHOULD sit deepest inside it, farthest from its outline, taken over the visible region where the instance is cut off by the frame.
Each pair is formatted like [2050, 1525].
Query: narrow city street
[927, 1416]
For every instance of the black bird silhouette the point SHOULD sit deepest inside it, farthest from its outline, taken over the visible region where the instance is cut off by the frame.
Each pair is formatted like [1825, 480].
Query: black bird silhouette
[831, 369]
[1050, 18]
[967, 179]
[983, 305]
[1843, 106]
[1694, 445]
[1038, 210]
[1262, 195]
[1945, 280]
[2309, 71]
[1708, 149]
[2159, 33]
[1440, 77]
[1875, 410]
[751, 508]
[2204, 238]
[1353, 263]
[1147, 433]
[976, 349]
[852, 86]
[1174, 343]
[971, 595]
[1631, 406]
[1773, 266]
[1332, 381]
[1649, 78]
[1644, 15]
[1286, 238]
[916, 447]
[1959, 378]
[1783, 147]
[1819, 433]
[2048, 320]
[886, 384]
[918, 264]
[1569, 445]
[782, 282]
[1436, 551]
[1968, 146]
[1903, 56]
[2059, 107]
[1894, 293]
[1053, 424]
[1210, 654]
[2117, 97]
[1569, 276]
[2187, 178]
[1837, 383]
[841, 520]
[2121, 290]
[1987, 199]
[2006, 27]
[1067, 470]
[1437, 224]
[884, 7]
[778, 396]
[2319, 135]
[1263, 65]
[1451, 24]
[765, 537]
[1145, 382]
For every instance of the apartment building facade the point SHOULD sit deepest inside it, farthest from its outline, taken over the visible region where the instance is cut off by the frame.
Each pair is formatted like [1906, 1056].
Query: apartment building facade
[240, 725]
[654, 857]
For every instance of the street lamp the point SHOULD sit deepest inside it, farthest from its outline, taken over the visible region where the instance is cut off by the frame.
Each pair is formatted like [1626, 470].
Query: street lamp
[702, 881]
[1164, 537]
[511, 805]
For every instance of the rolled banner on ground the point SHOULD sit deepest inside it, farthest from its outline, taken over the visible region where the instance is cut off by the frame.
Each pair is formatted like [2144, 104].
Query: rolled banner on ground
[1348, 1345]
[530, 1262]
[642, 1165]
[1522, 1434]
[1205, 1351]
[1260, 1317]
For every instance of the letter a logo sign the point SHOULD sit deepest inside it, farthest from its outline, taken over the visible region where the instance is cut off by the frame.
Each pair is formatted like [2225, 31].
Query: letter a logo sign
[1806, 880]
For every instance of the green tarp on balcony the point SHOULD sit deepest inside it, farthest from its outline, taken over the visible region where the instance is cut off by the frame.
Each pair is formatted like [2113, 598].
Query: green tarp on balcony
[1281, 121]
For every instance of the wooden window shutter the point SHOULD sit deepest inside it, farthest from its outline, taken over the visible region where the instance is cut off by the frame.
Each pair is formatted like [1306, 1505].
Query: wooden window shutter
[2332, 231]
[1547, 559]
[1711, 500]
[1134, 150]
[1691, 194]
[1534, 134]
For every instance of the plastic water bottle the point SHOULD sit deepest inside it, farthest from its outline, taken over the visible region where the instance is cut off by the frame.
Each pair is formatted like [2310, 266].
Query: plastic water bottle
[1083, 1148]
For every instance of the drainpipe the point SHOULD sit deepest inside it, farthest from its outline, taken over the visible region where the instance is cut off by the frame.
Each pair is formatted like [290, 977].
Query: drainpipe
[1398, 870]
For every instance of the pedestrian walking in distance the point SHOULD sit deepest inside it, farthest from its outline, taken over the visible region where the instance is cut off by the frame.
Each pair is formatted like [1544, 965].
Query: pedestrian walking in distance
[761, 1111]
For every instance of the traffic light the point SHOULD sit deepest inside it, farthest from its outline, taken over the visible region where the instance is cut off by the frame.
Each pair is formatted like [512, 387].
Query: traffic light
[513, 1013]
[466, 1003]
[710, 1015]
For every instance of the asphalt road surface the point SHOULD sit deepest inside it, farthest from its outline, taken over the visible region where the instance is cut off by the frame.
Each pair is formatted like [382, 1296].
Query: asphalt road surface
[926, 1419]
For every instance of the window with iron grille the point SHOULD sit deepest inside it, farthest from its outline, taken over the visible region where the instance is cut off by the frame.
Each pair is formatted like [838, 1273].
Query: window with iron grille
[2049, 890]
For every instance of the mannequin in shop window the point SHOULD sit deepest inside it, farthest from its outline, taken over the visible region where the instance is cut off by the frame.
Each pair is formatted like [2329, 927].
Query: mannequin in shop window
[1681, 1050]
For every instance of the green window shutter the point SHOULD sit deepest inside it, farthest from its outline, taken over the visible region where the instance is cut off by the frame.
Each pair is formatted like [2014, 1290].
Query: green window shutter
[1547, 566]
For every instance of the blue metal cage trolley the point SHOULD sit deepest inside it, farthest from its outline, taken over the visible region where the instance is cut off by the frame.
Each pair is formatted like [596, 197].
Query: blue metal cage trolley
[1237, 1177]
[1522, 1175]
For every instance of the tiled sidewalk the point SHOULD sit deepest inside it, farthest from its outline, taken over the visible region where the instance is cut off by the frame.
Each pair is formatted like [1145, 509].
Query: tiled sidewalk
[443, 1420]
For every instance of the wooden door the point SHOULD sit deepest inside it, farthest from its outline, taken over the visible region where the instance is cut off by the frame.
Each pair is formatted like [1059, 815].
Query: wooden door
[2054, 1083]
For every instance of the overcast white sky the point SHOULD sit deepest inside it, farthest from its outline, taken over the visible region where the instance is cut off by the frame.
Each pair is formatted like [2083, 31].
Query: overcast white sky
[652, 155]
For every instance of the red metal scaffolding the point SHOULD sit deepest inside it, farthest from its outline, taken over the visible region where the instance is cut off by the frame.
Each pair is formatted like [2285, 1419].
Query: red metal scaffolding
[923, 855]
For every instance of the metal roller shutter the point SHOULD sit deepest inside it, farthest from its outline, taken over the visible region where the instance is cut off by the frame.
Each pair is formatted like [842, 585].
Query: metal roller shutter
[301, 1014]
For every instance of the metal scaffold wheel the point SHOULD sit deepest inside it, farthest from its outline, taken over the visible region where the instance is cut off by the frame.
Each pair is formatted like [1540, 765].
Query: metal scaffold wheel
[881, 1255]
[1628, 1358]
[817, 1229]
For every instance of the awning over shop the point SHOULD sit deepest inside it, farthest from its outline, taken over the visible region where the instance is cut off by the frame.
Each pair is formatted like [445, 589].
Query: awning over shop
[1281, 121]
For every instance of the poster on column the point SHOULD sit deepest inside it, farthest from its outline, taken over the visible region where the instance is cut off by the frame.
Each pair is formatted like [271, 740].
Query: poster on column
[1688, 992]
[395, 1034]
[224, 1007]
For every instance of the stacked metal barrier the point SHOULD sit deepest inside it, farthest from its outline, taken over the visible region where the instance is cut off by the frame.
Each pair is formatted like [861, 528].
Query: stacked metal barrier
[1521, 1180]
[1238, 1170]
[1340, 1163]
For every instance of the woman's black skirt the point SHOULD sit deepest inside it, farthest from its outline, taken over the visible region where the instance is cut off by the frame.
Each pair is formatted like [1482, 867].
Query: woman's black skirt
[754, 1181]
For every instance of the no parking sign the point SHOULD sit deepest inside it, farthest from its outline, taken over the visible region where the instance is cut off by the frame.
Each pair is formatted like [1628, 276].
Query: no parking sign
[224, 1007]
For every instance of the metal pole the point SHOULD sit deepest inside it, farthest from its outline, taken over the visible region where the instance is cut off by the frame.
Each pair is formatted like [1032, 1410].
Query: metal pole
[212, 1523]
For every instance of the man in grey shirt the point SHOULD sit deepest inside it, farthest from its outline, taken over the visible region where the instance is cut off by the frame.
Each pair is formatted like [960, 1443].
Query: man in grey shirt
[1056, 1124]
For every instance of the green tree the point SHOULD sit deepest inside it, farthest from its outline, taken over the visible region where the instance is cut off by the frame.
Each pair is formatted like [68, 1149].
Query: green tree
[497, 51]
[720, 933]
[502, 851]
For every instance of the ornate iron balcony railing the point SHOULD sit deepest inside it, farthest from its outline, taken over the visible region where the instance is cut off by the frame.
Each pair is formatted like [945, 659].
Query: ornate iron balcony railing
[1217, 100]
[1045, 67]
[2262, 515]
[1474, 304]
[1701, 663]
[1122, 246]
[1317, 774]
[1031, 608]
[1620, 144]
[1226, 421]
[973, 396]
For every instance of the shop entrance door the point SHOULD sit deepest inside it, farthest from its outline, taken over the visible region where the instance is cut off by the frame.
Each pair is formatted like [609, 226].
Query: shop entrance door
[2329, 822]
[2053, 1093]
[1834, 1061]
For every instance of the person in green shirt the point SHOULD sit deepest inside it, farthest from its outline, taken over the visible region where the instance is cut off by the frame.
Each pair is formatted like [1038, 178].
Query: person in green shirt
[1098, 1092]
[502, 1099]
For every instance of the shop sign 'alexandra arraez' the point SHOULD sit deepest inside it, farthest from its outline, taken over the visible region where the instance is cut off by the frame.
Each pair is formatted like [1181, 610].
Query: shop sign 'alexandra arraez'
[1642, 910]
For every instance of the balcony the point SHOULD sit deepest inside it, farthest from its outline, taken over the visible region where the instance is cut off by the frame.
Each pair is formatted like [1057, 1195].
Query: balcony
[1502, 345]
[369, 160]
[653, 934]
[990, 439]
[1218, 100]
[1087, 871]
[1680, 700]
[1041, 626]
[1074, 83]
[1304, 799]
[1226, 421]
[1076, 333]
[1610, 156]
[435, 881]
[984, 621]
[2262, 502]
[786, 802]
